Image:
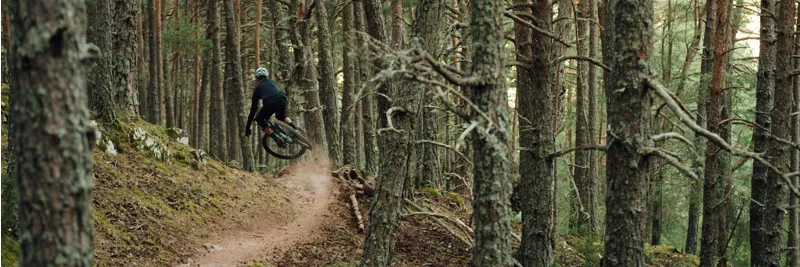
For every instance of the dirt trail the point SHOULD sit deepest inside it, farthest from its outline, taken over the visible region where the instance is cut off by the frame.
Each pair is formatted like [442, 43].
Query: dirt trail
[310, 186]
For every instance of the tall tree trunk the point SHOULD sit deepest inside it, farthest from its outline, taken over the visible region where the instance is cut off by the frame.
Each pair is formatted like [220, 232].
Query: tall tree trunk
[285, 59]
[657, 177]
[385, 210]
[583, 212]
[140, 63]
[101, 85]
[766, 239]
[794, 253]
[429, 154]
[168, 84]
[231, 114]
[218, 138]
[157, 28]
[765, 212]
[492, 184]
[125, 14]
[257, 36]
[464, 166]
[248, 160]
[306, 76]
[54, 168]
[535, 166]
[627, 36]
[698, 165]
[715, 197]
[369, 107]
[153, 82]
[327, 84]
[349, 65]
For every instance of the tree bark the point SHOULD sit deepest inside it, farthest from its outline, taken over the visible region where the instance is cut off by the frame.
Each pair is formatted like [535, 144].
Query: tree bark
[698, 163]
[431, 37]
[167, 84]
[766, 231]
[715, 195]
[369, 107]
[387, 204]
[285, 59]
[492, 184]
[535, 101]
[218, 138]
[153, 82]
[794, 254]
[248, 160]
[328, 85]
[627, 36]
[349, 65]
[101, 84]
[54, 160]
[125, 14]
[306, 77]
[231, 109]
[583, 220]
[257, 36]
[766, 216]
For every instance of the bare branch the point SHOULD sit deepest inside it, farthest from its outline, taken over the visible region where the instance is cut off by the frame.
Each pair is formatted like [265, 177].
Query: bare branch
[662, 92]
[464, 181]
[672, 135]
[389, 121]
[570, 150]
[672, 161]
[442, 145]
[535, 28]
[588, 59]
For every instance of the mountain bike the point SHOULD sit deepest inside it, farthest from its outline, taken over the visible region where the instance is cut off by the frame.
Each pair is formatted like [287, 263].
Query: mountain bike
[294, 145]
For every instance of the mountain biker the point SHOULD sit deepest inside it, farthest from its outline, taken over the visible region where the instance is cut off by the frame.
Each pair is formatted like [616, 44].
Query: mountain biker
[273, 102]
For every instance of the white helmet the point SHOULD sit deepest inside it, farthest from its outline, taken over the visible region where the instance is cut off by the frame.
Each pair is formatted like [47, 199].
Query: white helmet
[261, 72]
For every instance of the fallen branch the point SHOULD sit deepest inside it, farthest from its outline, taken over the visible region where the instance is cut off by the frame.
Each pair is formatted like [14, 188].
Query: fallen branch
[354, 202]
[467, 240]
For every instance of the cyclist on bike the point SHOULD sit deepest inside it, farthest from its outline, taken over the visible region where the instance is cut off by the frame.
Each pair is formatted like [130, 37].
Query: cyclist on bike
[273, 102]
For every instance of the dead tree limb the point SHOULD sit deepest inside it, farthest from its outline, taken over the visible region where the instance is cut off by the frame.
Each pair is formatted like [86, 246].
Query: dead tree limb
[663, 93]
[588, 59]
[570, 150]
[354, 202]
[673, 161]
[535, 28]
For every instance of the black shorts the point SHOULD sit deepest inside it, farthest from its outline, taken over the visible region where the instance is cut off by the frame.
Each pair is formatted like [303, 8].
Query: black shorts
[274, 105]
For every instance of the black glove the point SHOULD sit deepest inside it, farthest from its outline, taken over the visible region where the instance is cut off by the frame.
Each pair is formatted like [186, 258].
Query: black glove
[248, 132]
[294, 126]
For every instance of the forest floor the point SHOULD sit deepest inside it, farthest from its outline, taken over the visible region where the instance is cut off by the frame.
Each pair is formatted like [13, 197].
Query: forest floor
[152, 208]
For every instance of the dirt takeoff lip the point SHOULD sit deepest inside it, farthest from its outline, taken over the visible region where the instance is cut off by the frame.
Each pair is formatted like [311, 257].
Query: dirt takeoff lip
[310, 183]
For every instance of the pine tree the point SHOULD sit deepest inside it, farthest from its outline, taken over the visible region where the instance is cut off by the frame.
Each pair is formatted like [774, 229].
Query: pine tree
[627, 29]
[535, 101]
[327, 84]
[248, 160]
[491, 155]
[54, 163]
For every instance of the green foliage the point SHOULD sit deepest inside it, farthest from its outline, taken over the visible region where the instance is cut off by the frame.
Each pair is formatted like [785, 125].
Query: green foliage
[432, 192]
[591, 248]
[456, 198]
[10, 253]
